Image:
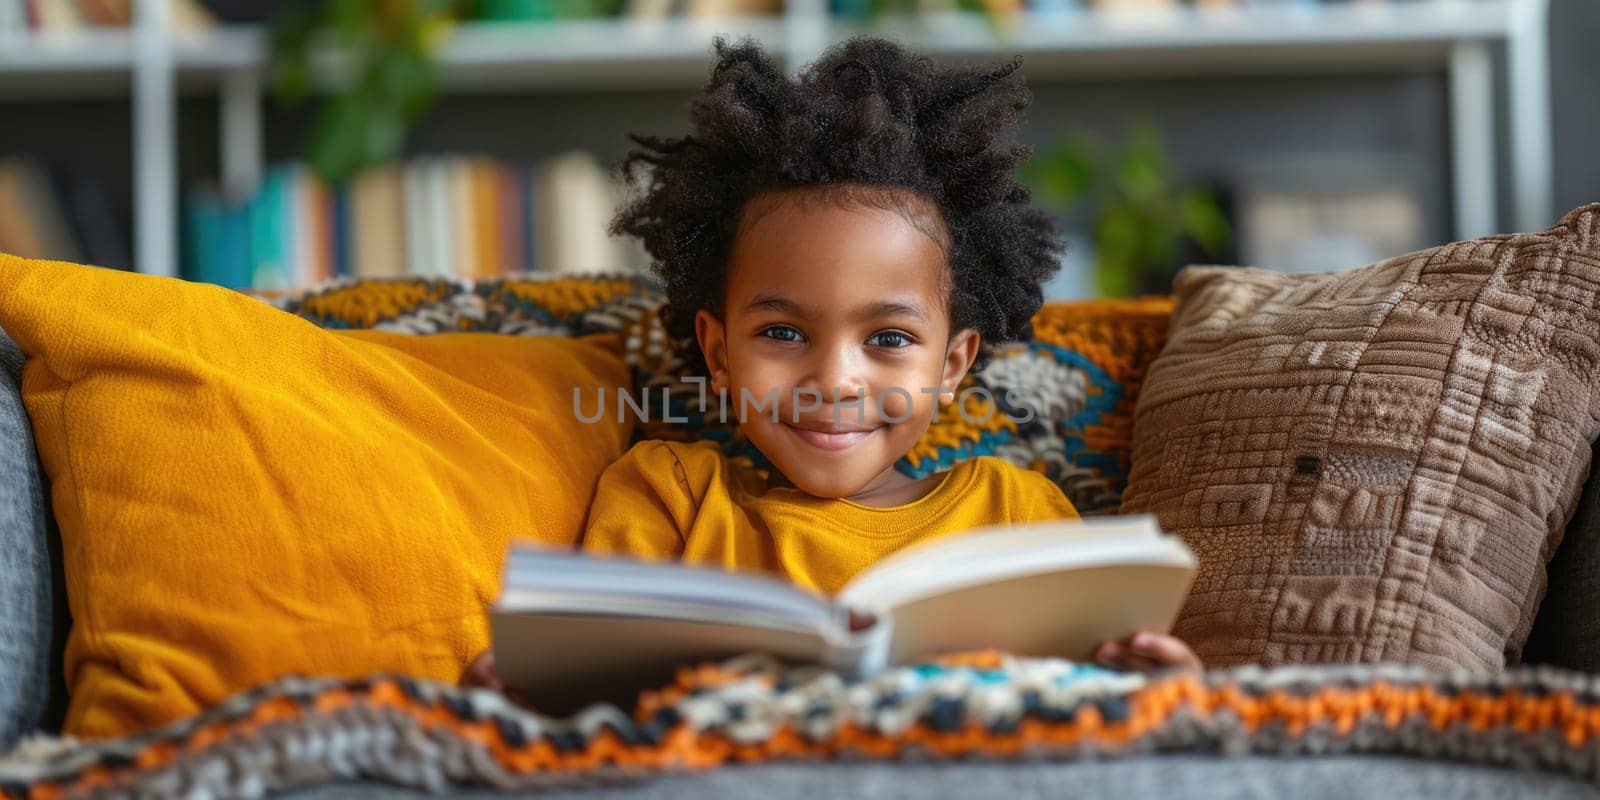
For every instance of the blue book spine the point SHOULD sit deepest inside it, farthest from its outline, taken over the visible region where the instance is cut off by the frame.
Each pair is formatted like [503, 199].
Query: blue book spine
[236, 270]
[530, 255]
[199, 236]
[269, 234]
[851, 8]
[342, 235]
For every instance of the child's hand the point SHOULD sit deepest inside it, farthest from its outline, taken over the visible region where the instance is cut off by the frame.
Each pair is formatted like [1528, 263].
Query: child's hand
[480, 673]
[1147, 652]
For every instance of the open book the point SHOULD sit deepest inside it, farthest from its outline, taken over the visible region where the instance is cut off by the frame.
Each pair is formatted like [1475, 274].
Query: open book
[573, 626]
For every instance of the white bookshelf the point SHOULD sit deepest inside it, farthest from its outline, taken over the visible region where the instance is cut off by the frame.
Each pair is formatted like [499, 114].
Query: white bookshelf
[86, 63]
[150, 63]
[92, 50]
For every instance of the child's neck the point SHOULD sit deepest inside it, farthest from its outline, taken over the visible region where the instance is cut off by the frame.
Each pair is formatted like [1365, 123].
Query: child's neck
[898, 492]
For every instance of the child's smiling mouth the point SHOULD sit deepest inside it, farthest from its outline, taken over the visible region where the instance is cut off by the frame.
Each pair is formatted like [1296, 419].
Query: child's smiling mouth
[824, 436]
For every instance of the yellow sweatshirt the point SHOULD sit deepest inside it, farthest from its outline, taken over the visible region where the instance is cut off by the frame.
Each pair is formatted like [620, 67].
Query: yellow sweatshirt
[687, 501]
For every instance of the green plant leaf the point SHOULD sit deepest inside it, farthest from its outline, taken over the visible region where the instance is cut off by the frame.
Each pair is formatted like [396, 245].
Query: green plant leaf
[434, 8]
[1113, 282]
[1141, 210]
[1117, 246]
[1143, 168]
[1066, 175]
[1204, 221]
[408, 79]
[289, 36]
[351, 20]
[340, 136]
[1077, 174]
[386, 136]
[291, 78]
[1061, 179]
[385, 73]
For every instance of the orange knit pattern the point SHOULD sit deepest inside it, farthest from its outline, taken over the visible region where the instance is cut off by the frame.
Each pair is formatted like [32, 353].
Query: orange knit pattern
[1120, 336]
[980, 705]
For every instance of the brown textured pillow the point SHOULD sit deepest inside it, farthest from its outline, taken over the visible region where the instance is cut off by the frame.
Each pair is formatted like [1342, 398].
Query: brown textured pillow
[1375, 465]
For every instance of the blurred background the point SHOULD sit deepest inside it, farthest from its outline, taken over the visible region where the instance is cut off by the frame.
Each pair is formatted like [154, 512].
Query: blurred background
[269, 144]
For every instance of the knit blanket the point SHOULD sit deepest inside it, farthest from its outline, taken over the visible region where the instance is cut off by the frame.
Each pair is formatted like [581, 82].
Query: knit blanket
[299, 732]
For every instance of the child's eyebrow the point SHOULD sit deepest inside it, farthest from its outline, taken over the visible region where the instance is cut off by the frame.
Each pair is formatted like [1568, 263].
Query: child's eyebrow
[889, 308]
[882, 308]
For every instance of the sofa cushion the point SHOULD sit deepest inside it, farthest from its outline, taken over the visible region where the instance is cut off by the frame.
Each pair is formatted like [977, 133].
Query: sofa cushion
[25, 574]
[1190, 777]
[243, 495]
[1376, 464]
[1567, 631]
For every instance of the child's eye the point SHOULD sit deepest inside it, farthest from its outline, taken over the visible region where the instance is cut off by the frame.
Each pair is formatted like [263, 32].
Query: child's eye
[891, 339]
[782, 333]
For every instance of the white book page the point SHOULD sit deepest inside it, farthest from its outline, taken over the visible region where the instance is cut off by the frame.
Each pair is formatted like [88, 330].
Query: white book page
[995, 553]
[544, 580]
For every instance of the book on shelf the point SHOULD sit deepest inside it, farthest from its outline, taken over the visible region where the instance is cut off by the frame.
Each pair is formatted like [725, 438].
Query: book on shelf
[56, 214]
[66, 16]
[343, 246]
[1132, 5]
[440, 257]
[732, 8]
[436, 216]
[94, 221]
[271, 234]
[573, 625]
[418, 231]
[33, 222]
[377, 212]
[537, 10]
[483, 199]
[219, 236]
[111, 13]
[572, 230]
[546, 10]
[55, 16]
[516, 227]
[651, 9]
[313, 261]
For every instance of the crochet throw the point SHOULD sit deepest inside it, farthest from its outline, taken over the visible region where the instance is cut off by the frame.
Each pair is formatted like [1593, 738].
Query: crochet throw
[300, 732]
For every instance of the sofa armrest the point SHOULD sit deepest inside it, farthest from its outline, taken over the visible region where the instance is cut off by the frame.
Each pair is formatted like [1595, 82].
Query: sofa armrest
[1567, 631]
[30, 694]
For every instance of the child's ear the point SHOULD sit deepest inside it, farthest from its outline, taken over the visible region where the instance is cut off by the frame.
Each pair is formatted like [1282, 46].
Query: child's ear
[958, 358]
[708, 331]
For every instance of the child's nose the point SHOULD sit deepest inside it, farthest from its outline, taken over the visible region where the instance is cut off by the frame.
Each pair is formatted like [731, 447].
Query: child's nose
[841, 371]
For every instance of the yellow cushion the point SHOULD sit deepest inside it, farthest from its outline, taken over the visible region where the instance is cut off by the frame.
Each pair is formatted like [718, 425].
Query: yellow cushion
[242, 495]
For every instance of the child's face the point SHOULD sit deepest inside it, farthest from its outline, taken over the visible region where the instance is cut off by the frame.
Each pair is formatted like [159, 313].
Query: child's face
[821, 297]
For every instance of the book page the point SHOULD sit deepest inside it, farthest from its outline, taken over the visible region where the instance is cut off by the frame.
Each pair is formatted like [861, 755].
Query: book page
[559, 661]
[568, 625]
[1058, 614]
[1055, 588]
[998, 551]
[559, 580]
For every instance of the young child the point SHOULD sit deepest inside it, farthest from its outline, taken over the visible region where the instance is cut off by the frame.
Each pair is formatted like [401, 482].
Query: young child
[837, 252]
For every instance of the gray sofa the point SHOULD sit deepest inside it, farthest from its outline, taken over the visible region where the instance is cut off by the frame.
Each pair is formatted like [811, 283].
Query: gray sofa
[32, 692]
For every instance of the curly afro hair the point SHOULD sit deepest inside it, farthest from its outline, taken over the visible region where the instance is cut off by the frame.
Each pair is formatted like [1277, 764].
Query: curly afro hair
[870, 115]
